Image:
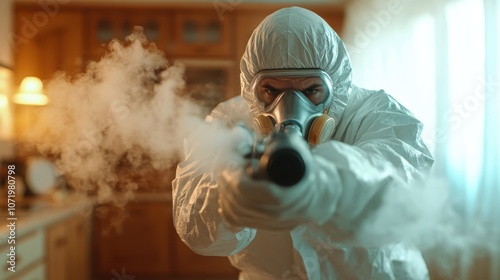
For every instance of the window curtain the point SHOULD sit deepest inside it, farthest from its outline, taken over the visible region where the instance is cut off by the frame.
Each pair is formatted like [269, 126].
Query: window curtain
[440, 60]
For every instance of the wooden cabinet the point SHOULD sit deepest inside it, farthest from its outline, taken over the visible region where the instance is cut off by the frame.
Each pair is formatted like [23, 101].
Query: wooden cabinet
[46, 44]
[35, 273]
[140, 241]
[57, 253]
[202, 34]
[68, 244]
[50, 245]
[77, 34]
[29, 255]
[179, 33]
[133, 240]
[78, 247]
[103, 25]
[208, 82]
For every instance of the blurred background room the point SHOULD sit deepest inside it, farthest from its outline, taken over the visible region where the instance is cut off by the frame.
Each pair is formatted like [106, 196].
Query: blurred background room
[91, 147]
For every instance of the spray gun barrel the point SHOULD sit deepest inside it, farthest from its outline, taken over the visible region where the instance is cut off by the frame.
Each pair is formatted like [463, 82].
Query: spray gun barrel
[286, 158]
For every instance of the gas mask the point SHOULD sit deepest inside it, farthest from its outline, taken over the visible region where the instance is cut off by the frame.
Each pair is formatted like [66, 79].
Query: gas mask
[291, 106]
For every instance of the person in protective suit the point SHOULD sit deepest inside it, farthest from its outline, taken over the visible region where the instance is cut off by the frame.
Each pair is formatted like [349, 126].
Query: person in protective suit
[296, 70]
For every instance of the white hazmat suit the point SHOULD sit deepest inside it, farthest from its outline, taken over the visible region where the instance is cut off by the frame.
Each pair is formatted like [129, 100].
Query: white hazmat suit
[376, 143]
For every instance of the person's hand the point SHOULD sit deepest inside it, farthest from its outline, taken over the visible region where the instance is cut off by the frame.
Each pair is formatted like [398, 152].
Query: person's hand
[261, 204]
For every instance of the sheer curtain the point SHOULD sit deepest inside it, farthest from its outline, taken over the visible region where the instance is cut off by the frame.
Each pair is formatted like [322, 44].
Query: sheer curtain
[440, 59]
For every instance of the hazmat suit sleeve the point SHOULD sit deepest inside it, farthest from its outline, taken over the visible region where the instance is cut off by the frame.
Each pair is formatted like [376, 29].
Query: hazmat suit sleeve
[377, 148]
[195, 193]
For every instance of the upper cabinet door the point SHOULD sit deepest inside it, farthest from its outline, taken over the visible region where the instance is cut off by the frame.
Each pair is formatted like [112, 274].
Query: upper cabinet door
[44, 44]
[202, 34]
[106, 25]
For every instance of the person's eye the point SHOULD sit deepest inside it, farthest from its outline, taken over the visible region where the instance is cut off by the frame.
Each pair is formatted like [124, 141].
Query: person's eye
[310, 91]
[272, 91]
[268, 94]
[316, 94]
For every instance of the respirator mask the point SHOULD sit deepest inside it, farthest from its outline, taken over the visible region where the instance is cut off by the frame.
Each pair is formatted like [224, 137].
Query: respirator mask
[294, 106]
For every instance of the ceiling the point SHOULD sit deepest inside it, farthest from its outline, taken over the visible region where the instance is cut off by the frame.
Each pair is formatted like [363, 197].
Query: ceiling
[230, 2]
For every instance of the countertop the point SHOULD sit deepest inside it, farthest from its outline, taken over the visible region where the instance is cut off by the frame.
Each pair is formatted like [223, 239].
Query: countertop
[38, 213]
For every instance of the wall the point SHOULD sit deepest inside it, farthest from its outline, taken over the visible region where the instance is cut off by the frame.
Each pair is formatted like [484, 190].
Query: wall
[6, 59]
[5, 31]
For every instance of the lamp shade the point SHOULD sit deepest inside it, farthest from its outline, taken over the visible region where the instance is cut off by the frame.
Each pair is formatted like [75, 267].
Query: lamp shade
[4, 101]
[31, 93]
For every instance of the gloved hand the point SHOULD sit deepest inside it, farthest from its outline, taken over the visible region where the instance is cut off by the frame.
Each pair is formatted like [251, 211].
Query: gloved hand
[261, 204]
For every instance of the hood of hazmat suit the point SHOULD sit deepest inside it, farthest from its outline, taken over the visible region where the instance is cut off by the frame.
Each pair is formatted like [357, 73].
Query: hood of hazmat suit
[376, 142]
[296, 38]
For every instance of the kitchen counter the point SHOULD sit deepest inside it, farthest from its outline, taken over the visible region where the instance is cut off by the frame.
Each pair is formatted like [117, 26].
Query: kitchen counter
[46, 237]
[41, 212]
[50, 236]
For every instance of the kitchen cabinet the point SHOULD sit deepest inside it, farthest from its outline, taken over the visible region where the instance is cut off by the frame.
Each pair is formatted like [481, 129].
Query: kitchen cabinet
[208, 82]
[46, 43]
[140, 241]
[68, 244]
[52, 243]
[78, 247]
[195, 37]
[202, 34]
[29, 255]
[36, 273]
[57, 253]
[133, 239]
[179, 33]
[43, 43]
[104, 24]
